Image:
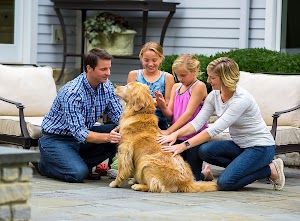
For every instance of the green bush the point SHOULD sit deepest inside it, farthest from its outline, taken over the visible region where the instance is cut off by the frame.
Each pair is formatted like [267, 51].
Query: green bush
[263, 60]
[255, 60]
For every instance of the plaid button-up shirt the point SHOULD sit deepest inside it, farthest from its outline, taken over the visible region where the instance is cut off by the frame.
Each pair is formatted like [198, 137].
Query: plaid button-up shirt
[78, 106]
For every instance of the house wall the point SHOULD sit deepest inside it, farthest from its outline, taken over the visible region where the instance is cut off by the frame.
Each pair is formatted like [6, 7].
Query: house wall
[198, 26]
[208, 27]
[49, 52]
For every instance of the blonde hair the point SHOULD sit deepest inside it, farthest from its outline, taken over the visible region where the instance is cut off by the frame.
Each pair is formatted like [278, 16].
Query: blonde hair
[188, 61]
[227, 69]
[153, 46]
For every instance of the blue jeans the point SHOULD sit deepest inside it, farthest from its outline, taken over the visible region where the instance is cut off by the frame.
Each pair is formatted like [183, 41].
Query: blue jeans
[242, 166]
[163, 125]
[64, 158]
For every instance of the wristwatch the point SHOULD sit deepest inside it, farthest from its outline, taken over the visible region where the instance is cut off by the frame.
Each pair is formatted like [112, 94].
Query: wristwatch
[187, 144]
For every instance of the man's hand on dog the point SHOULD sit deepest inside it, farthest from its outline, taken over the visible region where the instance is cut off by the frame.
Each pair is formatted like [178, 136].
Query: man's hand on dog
[114, 136]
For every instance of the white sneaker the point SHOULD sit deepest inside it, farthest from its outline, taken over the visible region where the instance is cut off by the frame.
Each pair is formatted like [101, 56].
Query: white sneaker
[112, 173]
[280, 181]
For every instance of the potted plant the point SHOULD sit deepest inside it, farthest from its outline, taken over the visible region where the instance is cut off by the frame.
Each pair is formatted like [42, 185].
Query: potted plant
[111, 32]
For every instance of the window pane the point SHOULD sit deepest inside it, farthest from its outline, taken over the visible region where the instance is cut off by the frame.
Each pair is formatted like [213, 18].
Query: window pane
[7, 10]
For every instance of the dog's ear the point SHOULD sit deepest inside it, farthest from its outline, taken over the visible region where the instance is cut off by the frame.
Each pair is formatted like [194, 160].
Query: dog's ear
[142, 98]
[139, 102]
[138, 105]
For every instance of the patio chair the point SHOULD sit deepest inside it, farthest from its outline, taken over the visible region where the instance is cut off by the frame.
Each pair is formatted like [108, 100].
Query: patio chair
[26, 95]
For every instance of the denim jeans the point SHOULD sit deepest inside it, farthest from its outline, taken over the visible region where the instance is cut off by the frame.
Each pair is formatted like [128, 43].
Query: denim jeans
[192, 158]
[64, 158]
[242, 166]
[163, 125]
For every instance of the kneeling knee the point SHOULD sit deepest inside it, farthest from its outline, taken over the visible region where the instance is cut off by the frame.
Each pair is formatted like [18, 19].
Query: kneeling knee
[223, 184]
[76, 176]
[203, 152]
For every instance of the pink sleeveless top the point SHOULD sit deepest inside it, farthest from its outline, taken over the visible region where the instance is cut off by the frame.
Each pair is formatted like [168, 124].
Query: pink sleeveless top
[180, 103]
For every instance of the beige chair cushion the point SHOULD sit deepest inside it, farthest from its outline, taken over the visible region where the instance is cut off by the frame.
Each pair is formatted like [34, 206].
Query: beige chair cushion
[274, 93]
[285, 135]
[11, 125]
[34, 87]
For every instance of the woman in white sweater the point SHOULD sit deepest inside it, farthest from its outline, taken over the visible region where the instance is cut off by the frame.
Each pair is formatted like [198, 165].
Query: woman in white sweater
[248, 156]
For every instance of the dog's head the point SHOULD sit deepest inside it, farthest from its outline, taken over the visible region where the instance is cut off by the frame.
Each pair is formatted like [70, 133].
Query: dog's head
[137, 97]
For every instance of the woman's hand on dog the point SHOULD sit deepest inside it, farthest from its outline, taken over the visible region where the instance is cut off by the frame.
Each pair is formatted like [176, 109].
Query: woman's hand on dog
[114, 136]
[176, 149]
[170, 140]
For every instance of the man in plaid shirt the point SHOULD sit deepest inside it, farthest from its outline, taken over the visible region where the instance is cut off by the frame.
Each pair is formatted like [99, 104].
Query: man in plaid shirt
[71, 145]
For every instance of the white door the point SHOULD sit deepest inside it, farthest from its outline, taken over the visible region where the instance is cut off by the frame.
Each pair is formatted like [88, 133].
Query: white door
[16, 31]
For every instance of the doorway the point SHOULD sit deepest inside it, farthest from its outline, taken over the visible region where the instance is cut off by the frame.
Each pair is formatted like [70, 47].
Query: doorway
[290, 34]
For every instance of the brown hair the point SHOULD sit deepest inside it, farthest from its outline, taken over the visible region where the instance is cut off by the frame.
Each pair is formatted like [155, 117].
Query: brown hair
[91, 57]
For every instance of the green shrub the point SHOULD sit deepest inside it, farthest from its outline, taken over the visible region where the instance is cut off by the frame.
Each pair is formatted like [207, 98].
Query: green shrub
[250, 59]
[263, 60]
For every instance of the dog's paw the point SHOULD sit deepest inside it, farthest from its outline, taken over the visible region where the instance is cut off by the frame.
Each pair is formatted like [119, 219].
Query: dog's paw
[113, 184]
[131, 181]
[140, 187]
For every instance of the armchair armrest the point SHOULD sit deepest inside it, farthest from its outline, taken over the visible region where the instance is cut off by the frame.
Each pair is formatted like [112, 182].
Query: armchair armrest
[276, 115]
[23, 126]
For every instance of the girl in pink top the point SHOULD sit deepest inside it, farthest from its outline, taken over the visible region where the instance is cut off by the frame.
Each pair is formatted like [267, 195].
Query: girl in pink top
[185, 102]
[181, 101]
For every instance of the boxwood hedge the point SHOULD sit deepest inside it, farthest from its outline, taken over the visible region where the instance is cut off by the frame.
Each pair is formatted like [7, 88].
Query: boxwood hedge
[255, 60]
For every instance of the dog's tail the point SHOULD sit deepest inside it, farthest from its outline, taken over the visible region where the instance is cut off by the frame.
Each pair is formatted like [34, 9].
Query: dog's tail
[201, 186]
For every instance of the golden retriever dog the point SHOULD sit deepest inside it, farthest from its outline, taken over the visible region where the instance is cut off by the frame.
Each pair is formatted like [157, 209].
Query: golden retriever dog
[139, 154]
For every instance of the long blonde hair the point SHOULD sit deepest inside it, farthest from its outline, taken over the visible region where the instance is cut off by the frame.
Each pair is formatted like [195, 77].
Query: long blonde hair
[153, 46]
[188, 61]
[227, 69]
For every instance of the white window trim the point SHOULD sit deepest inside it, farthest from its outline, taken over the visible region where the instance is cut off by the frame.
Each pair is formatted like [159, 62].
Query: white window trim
[273, 24]
[24, 48]
[244, 24]
[30, 32]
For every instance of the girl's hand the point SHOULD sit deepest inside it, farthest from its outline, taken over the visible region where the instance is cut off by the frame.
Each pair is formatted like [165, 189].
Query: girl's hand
[170, 139]
[176, 149]
[164, 132]
[160, 100]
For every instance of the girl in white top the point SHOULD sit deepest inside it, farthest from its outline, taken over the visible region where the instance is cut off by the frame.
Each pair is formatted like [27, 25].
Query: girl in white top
[248, 156]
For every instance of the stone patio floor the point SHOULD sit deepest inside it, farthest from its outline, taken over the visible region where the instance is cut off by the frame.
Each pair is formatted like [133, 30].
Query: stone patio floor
[95, 200]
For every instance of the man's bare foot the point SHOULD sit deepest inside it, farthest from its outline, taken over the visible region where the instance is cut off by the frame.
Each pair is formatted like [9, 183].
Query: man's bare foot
[208, 176]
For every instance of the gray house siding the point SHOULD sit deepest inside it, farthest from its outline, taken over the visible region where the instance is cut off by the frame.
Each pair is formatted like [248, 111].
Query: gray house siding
[211, 26]
[198, 26]
[51, 53]
[257, 23]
